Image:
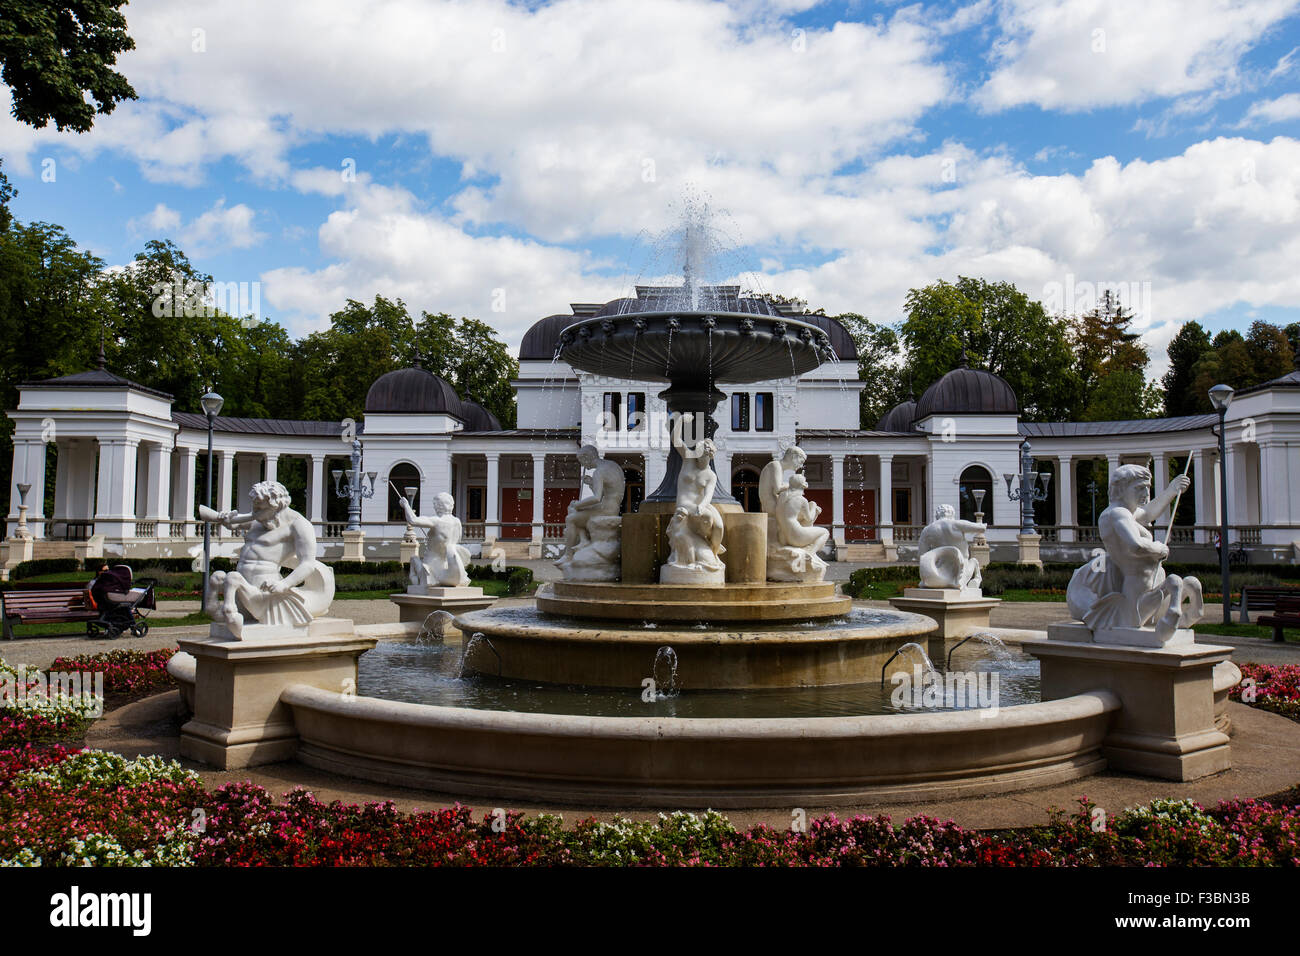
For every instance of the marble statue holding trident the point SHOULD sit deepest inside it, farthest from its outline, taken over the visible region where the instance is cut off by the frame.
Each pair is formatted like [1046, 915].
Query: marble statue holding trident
[443, 564]
[1125, 586]
[275, 537]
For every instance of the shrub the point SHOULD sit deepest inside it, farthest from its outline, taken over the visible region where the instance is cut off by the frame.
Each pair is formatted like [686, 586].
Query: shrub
[859, 580]
[366, 567]
[31, 569]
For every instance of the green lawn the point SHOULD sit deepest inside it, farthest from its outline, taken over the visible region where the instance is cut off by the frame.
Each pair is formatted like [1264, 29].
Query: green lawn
[1244, 630]
[22, 631]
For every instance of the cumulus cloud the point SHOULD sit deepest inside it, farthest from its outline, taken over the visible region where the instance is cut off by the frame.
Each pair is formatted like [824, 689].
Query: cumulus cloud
[1081, 54]
[219, 228]
[1279, 110]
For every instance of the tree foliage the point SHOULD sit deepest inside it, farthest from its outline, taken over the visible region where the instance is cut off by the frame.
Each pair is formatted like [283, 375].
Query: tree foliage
[55, 52]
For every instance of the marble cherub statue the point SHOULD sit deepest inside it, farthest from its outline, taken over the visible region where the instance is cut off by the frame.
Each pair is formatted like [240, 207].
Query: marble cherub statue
[444, 559]
[945, 553]
[793, 555]
[592, 526]
[695, 529]
[1125, 585]
[275, 537]
[775, 477]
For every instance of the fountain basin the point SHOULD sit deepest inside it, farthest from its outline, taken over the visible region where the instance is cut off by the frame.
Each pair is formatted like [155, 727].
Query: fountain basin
[521, 643]
[687, 603]
[703, 762]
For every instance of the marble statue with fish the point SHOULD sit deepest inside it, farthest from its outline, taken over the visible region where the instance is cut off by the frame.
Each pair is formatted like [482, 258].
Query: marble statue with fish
[592, 526]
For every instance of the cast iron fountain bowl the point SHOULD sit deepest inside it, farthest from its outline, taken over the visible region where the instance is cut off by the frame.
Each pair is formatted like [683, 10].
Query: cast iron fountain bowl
[683, 346]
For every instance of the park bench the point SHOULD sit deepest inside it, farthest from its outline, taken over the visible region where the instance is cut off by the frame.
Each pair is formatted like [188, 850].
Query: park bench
[1261, 598]
[1286, 614]
[44, 606]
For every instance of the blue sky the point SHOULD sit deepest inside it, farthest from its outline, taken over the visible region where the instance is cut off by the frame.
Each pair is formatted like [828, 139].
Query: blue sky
[503, 160]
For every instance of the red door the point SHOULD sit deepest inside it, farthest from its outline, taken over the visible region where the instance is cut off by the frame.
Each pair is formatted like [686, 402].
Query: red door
[859, 514]
[557, 503]
[516, 512]
[826, 499]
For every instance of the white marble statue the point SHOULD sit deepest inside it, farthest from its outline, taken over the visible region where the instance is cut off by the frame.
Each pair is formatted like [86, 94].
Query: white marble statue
[695, 530]
[945, 553]
[443, 563]
[1125, 585]
[793, 555]
[775, 477]
[592, 526]
[275, 537]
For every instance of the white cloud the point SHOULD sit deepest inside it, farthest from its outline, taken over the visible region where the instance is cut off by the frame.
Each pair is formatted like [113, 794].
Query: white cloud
[218, 228]
[1081, 54]
[1279, 110]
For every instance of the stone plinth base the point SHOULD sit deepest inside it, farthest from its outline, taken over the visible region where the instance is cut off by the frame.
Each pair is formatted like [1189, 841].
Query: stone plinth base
[261, 633]
[1166, 723]
[745, 538]
[409, 549]
[238, 718]
[1079, 632]
[14, 552]
[728, 603]
[418, 603]
[958, 611]
[1029, 551]
[644, 546]
[980, 552]
[354, 546]
[675, 574]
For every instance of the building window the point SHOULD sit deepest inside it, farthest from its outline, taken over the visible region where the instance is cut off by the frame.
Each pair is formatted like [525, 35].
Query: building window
[402, 476]
[635, 410]
[764, 412]
[740, 412]
[613, 411]
[976, 494]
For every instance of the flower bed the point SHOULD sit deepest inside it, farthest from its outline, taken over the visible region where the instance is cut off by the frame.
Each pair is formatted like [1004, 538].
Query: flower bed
[126, 673]
[63, 807]
[1270, 687]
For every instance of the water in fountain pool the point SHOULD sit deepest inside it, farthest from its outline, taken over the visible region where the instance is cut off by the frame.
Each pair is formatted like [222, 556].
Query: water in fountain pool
[430, 674]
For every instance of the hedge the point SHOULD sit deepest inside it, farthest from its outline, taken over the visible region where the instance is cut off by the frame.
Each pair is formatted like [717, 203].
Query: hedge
[31, 569]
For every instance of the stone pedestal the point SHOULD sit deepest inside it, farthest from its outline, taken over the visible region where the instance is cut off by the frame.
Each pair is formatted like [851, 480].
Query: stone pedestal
[1124, 636]
[979, 550]
[744, 536]
[409, 549]
[238, 718]
[1166, 725]
[673, 575]
[645, 546]
[14, 552]
[1029, 553]
[354, 546]
[418, 603]
[957, 611]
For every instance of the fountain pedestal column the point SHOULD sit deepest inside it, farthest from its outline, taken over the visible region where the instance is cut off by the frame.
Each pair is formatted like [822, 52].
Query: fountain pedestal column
[958, 611]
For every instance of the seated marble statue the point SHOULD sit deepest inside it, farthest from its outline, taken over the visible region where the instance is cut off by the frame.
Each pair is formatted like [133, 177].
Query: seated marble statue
[1125, 585]
[443, 563]
[607, 484]
[593, 528]
[695, 530]
[275, 537]
[775, 477]
[945, 553]
[793, 555]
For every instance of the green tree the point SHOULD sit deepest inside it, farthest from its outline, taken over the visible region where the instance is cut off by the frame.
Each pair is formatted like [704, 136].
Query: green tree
[1002, 331]
[1185, 349]
[55, 52]
[1271, 352]
[7, 193]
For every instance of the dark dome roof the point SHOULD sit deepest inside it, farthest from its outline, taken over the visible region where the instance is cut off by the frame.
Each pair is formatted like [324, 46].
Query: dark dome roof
[968, 391]
[477, 418]
[900, 418]
[414, 391]
[539, 342]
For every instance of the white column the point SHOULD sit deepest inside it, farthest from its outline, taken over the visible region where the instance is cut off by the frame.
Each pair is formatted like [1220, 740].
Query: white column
[539, 496]
[1112, 465]
[316, 492]
[656, 464]
[492, 506]
[81, 479]
[1159, 472]
[1065, 497]
[837, 502]
[28, 468]
[158, 483]
[722, 465]
[223, 487]
[1205, 477]
[115, 507]
[272, 467]
[1266, 475]
[249, 470]
[885, 506]
[183, 495]
[62, 482]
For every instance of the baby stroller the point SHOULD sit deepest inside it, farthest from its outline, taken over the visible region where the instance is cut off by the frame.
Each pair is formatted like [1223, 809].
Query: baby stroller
[121, 602]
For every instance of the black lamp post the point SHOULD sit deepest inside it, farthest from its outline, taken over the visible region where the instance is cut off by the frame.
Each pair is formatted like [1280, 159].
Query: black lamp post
[211, 403]
[1033, 488]
[1221, 398]
[354, 487]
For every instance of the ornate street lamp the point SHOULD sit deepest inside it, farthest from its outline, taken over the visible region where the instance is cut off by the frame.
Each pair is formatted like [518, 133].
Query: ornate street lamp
[211, 403]
[1033, 488]
[354, 487]
[1092, 489]
[1221, 398]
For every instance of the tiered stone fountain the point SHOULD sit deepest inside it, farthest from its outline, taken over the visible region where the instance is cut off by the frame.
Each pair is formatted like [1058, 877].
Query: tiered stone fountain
[692, 569]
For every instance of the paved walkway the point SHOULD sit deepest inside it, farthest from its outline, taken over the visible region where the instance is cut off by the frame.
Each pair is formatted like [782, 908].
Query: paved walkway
[1265, 756]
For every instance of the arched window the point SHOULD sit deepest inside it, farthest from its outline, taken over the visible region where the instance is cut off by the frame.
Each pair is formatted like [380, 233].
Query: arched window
[744, 488]
[974, 480]
[633, 492]
[402, 476]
